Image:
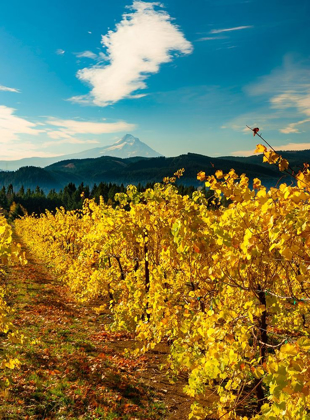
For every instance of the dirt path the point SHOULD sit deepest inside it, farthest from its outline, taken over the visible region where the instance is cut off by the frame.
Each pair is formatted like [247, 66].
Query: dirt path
[73, 368]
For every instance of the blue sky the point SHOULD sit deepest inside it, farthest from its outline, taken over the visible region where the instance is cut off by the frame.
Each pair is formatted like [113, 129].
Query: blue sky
[182, 76]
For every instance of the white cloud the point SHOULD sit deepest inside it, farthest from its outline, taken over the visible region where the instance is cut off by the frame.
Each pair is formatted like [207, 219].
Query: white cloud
[290, 78]
[292, 127]
[70, 140]
[25, 150]
[262, 118]
[211, 38]
[93, 56]
[8, 89]
[293, 146]
[141, 42]
[11, 125]
[87, 54]
[284, 102]
[70, 128]
[60, 51]
[103, 56]
[56, 134]
[236, 28]
[293, 99]
[284, 147]
[288, 91]
[15, 132]
[21, 138]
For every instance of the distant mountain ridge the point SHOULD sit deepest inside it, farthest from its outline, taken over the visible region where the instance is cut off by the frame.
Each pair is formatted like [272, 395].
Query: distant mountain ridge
[147, 169]
[127, 146]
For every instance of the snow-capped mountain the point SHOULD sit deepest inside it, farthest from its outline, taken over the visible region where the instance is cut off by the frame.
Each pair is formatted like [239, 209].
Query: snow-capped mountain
[127, 146]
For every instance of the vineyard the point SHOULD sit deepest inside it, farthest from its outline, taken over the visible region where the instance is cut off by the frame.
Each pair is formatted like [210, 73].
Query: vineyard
[226, 287]
[9, 254]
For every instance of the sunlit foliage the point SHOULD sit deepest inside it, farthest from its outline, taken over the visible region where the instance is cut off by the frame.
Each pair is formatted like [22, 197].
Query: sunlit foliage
[228, 287]
[9, 254]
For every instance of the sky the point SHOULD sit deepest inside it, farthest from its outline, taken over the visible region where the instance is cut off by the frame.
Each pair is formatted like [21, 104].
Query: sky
[181, 76]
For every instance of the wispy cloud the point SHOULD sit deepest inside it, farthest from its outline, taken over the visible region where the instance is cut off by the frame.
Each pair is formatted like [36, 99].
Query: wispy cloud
[293, 99]
[60, 51]
[93, 56]
[293, 146]
[261, 117]
[14, 131]
[145, 38]
[236, 28]
[8, 89]
[87, 54]
[70, 140]
[25, 150]
[24, 138]
[291, 77]
[69, 128]
[211, 38]
[287, 89]
[292, 127]
[68, 131]
[11, 126]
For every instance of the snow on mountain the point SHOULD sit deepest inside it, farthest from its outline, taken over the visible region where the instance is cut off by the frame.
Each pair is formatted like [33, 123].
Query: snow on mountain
[127, 146]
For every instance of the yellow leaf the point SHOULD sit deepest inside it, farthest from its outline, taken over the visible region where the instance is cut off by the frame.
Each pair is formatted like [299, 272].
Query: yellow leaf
[271, 157]
[219, 174]
[289, 349]
[260, 148]
[304, 342]
[287, 253]
[210, 331]
[257, 183]
[283, 164]
[201, 176]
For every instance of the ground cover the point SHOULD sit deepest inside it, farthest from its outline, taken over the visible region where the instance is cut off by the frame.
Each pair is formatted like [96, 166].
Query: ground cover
[71, 367]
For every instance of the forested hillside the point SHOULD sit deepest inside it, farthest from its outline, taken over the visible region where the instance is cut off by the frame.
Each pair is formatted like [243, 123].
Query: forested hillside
[141, 170]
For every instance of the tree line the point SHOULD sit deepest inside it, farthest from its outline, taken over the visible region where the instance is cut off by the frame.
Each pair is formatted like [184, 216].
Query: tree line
[27, 201]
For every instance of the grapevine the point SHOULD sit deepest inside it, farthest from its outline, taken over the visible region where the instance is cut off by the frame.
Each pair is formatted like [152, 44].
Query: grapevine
[227, 287]
[9, 253]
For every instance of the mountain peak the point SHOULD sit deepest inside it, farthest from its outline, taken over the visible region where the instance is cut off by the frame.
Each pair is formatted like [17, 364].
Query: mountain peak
[126, 147]
[127, 138]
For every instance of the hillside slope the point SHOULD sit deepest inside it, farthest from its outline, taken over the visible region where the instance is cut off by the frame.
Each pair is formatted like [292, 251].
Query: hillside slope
[142, 170]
